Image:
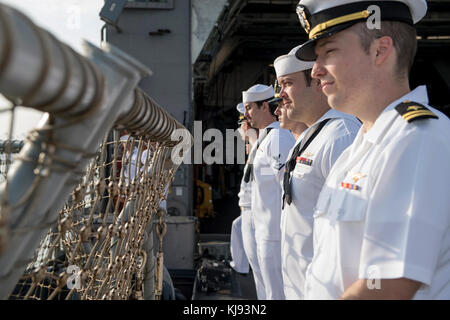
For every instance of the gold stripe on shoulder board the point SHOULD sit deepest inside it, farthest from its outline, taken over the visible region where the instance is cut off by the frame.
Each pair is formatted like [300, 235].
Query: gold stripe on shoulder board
[411, 111]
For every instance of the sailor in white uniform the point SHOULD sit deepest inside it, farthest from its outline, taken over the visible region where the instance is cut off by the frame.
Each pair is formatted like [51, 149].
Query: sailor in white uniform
[132, 168]
[295, 127]
[239, 258]
[329, 133]
[381, 226]
[130, 164]
[267, 160]
[245, 203]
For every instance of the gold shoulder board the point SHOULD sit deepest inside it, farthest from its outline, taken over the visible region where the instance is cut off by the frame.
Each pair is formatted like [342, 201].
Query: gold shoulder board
[412, 111]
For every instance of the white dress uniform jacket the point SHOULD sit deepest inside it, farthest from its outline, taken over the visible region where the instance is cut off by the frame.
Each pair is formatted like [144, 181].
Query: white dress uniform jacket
[268, 163]
[385, 208]
[307, 179]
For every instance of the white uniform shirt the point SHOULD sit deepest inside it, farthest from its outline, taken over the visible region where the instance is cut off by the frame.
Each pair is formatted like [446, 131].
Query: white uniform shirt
[240, 262]
[266, 188]
[245, 194]
[394, 223]
[307, 180]
[129, 165]
[239, 259]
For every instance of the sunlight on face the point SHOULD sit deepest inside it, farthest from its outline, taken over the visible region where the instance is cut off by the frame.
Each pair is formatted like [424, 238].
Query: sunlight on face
[253, 114]
[343, 69]
[280, 111]
[296, 96]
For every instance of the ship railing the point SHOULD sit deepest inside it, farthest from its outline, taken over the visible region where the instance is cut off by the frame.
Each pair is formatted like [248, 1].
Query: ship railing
[77, 210]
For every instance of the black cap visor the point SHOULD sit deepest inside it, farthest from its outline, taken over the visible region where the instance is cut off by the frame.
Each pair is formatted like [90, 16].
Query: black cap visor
[307, 51]
[275, 100]
[273, 103]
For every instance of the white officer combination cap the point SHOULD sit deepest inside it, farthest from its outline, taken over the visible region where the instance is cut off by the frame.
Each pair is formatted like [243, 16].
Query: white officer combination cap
[321, 19]
[258, 92]
[240, 107]
[289, 63]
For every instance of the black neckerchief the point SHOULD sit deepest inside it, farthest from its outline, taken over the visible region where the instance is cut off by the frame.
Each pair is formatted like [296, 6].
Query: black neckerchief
[248, 170]
[291, 163]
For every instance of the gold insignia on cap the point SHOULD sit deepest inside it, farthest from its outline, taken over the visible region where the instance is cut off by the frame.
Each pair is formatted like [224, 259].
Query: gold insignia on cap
[277, 87]
[320, 28]
[303, 19]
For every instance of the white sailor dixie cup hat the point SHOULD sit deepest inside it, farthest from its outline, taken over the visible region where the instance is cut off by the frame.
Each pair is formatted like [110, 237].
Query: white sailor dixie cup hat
[240, 108]
[288, 63]
[124, 138]
[323, 18]
[258, 92]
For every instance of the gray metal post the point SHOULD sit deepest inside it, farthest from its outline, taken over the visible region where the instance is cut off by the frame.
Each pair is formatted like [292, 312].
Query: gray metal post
[150, 265]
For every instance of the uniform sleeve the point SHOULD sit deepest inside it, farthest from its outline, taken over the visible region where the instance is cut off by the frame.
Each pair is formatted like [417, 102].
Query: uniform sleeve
[144, 157]
[408, 210]
[281, 142]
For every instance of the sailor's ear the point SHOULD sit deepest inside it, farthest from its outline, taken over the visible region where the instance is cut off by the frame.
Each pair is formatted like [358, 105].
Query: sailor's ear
[382, 48]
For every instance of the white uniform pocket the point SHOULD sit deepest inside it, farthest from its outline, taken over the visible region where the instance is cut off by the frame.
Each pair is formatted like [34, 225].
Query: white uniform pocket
[349, 201]
[301, 169]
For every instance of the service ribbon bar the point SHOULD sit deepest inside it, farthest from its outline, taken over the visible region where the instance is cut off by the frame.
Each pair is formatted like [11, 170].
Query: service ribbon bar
[306, 161]
[350, 186]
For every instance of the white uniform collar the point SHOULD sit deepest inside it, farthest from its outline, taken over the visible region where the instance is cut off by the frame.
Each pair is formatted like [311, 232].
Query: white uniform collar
[389, 114]
[275, 125]
[133, 153]
[330, 114]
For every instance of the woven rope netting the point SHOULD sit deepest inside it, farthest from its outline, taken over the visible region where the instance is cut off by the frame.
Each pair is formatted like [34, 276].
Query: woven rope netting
[100, 244]
[97, 249]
